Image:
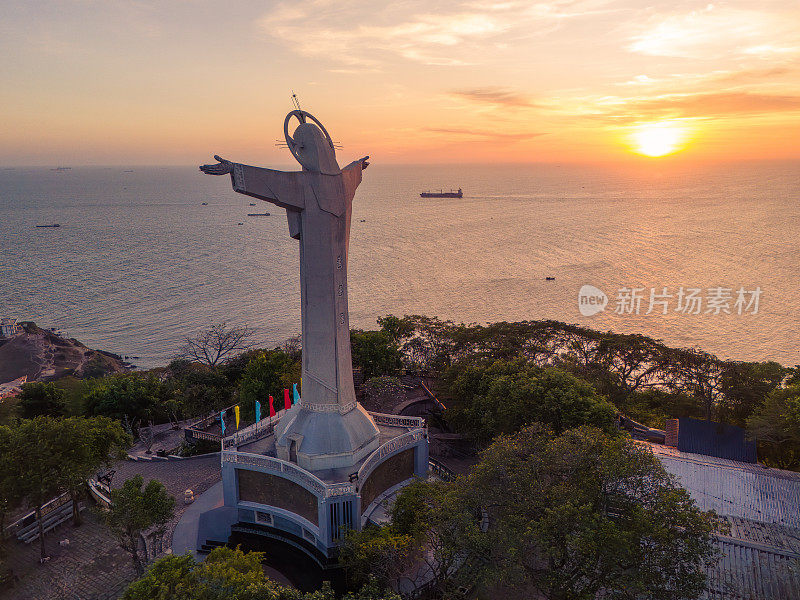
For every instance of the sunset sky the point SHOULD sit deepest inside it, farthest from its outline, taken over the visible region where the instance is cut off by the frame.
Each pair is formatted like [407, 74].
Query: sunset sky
[173, 82]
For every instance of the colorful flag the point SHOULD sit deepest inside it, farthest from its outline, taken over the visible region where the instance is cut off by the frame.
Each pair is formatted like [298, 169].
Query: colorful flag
[236, 412]
[287, 404]
[295, 394]
[271, 407]
[258, 411]
[222, 421]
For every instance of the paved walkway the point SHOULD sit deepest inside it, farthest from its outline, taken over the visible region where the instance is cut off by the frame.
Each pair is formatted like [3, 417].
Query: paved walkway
[93, 566]
[184, 537]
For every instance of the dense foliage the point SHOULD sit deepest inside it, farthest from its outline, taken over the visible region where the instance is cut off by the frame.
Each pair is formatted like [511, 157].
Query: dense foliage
[133, 398]
[376, 353]
[268, 373]
[39, 398]
[227, 574]
[503, 396]
[623, 368]
[43, 457]
[776, 425]
[558, 517]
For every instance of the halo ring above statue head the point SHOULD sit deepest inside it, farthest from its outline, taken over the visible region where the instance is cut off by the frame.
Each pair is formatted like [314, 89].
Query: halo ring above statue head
[295, 149]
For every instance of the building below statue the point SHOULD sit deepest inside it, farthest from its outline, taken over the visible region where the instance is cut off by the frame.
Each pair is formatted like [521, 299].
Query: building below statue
[310, 509]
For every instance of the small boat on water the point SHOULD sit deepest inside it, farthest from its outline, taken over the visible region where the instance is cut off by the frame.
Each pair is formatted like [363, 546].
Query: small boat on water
[257, 214]
[442, 194]
[52, 225]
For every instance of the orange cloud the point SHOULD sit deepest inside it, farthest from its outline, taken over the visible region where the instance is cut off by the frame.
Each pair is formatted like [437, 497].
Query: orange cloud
[495, 95]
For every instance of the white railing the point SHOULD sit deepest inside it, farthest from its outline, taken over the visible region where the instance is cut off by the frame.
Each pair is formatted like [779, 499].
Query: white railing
[402, 441]
[397, 420]
[252, 432]
[197, 434]
[290, 471]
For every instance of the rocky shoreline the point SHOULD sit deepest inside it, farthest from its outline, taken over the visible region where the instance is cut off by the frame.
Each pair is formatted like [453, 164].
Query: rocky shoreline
[43, 355]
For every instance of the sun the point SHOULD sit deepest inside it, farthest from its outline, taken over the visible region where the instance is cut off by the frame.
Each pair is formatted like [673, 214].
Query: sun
[658, 139]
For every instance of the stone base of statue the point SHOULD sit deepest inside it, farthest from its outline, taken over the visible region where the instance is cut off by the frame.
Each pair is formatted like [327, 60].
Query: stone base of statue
[326, 439]
[310, 508]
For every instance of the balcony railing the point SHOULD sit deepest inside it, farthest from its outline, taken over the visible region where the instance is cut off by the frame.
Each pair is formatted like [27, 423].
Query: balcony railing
[398, 443]
[252, 432]
[397, 420]
[290, 471]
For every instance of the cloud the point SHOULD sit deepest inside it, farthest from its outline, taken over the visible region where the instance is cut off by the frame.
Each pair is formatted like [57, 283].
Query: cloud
[716, 104]
[716, 33]
[452, 33]
[700, 105]
[497, 96]
[486, 135]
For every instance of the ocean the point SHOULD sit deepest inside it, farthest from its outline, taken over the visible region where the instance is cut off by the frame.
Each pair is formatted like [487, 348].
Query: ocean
[139, 262]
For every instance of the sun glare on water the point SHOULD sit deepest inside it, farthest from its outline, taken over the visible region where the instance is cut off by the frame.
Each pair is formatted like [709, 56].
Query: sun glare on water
[658, 139]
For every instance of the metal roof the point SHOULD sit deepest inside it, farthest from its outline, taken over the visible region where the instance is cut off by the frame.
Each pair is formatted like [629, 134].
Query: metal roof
[760, 557]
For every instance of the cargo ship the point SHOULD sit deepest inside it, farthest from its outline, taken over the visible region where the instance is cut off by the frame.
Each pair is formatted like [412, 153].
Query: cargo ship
[441, 194]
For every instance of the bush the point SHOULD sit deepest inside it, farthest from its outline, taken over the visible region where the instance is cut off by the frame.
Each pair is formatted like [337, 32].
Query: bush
[42, 399]
[505, 396]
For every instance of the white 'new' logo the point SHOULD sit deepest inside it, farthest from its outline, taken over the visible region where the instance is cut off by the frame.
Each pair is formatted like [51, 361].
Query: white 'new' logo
[591, 300]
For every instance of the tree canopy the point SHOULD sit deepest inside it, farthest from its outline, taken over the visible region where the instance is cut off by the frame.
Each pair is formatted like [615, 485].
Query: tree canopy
[776, 427]
[268, 373]
[505, 395]
[227, 574]
[39, 398]
[562, 517]
[135, 509]
[133, 398]
[44, 457]
[376, 353]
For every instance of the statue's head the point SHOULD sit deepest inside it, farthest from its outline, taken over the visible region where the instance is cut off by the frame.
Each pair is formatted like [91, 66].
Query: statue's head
[311, 145]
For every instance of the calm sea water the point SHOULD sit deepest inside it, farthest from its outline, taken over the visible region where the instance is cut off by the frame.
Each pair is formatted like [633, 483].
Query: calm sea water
[138, 262]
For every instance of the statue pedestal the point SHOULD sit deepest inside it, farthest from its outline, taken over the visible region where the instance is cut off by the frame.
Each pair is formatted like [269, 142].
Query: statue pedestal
[326, 440]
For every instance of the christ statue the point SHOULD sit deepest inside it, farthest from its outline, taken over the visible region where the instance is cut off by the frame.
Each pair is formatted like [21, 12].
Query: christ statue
[328, 429]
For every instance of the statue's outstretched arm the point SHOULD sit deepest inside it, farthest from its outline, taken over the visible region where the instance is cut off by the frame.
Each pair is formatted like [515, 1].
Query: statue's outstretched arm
[282, 188]
[352, 175]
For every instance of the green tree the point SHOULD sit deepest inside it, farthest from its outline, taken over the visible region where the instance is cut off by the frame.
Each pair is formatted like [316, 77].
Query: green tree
[580, 513]
[34, 464]
[139, 399]
[41, 399]
[504, 396]
[86, 444]
[267, 374]
[196, 388]
[135, 509]
[376, 353]
[745, 387]
[227, 574]
[8, 472]
[776, 427]
[379, 552]
[564, 518]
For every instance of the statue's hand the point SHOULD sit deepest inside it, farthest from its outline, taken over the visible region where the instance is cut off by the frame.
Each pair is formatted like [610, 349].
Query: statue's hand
[364, 162]
[223, 167]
